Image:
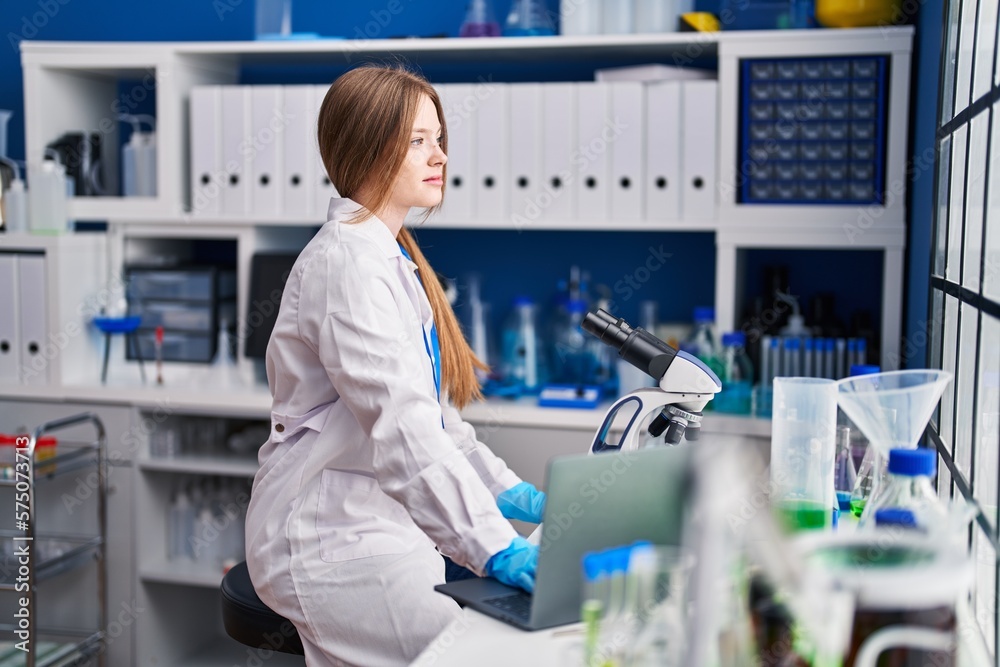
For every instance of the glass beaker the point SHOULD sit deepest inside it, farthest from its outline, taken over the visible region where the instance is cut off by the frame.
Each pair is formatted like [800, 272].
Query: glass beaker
[528, 18]
[480, 20]
[273, 19]
[906, 592]
[803, 446]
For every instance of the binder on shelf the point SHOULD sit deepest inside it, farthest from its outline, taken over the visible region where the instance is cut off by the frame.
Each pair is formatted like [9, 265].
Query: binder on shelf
[459, 193]
[207, 177]
[698, 118]
[594, 138]
[235, 141]
[10, 345]
[525, 168]
[32, 319]
[297, 179]
[324, 188]
[558, 145]
[663, 150]
[627, 150]
[492, 156]
[266, 137]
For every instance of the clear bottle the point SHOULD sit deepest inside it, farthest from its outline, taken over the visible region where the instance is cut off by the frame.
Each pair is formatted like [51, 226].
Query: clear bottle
[737, 376]
[702, 342]
[179, 527]
[909, 487]
[521, 348]
[573, 361]
[480, 20]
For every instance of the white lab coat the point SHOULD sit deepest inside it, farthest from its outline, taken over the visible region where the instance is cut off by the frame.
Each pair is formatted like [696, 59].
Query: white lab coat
[359, 481]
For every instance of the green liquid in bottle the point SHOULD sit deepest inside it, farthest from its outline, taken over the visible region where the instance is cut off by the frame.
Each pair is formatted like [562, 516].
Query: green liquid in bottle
[799, 515]
[858, 507]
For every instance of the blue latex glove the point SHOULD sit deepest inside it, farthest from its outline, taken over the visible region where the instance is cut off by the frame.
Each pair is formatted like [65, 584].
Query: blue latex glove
[515, 565]
[522, 502]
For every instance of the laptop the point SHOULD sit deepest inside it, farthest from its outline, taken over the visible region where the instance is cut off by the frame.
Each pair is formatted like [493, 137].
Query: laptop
[593, 502]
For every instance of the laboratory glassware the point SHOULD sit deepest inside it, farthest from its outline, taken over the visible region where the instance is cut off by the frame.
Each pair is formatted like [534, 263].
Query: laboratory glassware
[910, 584]
[139, 158]
[273, 19]
[844, 473]
[521, 362]
[528, 18]
[803, 447]
[13, 200]
[891, 409]
[737, 376]
[909, 487]
[5, 117]
[480, 20]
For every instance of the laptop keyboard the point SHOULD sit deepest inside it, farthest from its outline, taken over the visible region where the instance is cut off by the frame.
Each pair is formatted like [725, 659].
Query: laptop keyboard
[515, 604]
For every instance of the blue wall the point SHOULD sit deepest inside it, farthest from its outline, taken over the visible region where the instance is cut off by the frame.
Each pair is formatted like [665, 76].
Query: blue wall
[184, 20]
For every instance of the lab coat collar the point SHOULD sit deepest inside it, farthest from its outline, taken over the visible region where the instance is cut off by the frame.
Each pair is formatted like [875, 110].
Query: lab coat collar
[341, 209]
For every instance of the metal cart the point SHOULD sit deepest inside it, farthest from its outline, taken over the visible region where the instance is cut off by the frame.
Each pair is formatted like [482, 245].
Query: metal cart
[36, 555]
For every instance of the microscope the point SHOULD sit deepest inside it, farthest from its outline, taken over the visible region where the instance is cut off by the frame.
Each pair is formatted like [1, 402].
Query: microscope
[673, 409]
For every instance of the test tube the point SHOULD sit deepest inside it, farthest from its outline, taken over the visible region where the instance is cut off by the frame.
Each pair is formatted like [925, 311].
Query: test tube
[828, 367]
[775, 357]
[841, 371]
[792, 354]
[862, 357]
[765, 361]
[807, 357]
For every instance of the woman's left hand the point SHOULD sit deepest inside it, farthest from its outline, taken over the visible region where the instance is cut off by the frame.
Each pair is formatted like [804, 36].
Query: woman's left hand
[522, 502]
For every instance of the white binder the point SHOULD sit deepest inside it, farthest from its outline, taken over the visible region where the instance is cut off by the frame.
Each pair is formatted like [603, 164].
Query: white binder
[32, 318]
[297, 178]
[10, 345]
[627, 150]
[459, 193]
[235, 153]
[324, 188]
[594, 137]
[525, 174]
[492, 153]
[267, 135]
[698, 117]
[663, 150]
[207, 179]
[559, 185]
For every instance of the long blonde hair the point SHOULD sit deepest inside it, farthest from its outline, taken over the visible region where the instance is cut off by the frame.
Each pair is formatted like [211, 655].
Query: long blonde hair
[364, 127]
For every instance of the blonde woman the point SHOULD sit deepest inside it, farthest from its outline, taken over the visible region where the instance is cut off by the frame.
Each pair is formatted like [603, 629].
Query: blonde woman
[370, 475]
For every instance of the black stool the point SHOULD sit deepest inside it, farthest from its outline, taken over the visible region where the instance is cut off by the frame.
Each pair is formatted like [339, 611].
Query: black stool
[249, 621]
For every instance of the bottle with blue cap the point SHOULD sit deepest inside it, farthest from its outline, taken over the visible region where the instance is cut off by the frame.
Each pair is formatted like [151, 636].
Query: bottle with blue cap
[737, 376]
[909, 487]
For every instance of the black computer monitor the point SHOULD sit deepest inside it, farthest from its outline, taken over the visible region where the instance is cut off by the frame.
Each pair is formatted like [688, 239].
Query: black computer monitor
[268, 273]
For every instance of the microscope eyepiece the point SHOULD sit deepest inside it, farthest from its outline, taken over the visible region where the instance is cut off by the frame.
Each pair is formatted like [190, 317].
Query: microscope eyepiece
[636, 346]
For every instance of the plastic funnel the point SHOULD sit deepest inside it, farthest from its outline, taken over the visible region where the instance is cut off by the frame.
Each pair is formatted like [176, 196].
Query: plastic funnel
[4, 120]
[893, 408]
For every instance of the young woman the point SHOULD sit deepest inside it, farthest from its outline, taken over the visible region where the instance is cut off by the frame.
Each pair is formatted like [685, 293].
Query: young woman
[370, 474]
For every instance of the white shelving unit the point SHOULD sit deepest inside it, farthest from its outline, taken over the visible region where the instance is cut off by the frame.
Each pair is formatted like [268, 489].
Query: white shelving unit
[72, 86]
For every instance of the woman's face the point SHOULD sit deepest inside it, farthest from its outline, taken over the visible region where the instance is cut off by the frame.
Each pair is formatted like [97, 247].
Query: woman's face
[420, 178]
